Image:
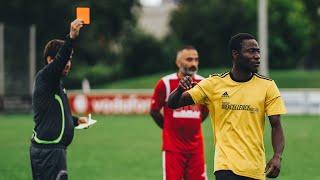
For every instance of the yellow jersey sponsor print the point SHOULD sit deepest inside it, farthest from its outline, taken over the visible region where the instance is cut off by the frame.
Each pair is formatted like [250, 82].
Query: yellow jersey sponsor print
[237, 111]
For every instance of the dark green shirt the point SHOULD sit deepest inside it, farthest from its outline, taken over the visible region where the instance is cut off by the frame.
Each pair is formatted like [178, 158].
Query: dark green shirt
[54, 124]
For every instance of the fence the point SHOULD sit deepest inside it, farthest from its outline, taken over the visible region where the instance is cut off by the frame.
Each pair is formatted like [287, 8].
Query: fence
[17, 66]
[302, 101]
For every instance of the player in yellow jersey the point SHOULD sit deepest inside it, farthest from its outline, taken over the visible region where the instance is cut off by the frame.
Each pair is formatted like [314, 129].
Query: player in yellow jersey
[238, 102]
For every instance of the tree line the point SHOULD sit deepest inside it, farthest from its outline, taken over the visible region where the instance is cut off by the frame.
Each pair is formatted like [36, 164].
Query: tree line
[113, 47]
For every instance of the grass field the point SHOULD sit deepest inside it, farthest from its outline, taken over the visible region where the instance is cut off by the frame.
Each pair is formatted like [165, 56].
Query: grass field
[283, 78]
[128, 147]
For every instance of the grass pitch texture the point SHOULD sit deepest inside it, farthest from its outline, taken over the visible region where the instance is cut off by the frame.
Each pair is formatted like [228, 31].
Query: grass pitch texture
[129, 147]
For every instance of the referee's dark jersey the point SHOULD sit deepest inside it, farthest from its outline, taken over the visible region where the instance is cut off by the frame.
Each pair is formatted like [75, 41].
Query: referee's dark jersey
[54, 124]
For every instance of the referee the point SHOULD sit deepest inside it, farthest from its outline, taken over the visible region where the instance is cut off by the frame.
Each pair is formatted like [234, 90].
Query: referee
[54, 124]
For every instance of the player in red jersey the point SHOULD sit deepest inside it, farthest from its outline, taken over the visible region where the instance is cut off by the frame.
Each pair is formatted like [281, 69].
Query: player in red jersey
[183, 154]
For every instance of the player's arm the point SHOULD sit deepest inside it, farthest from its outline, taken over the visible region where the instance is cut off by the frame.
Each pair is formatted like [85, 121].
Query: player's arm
[179, 97]
[157, 103]
[274, 107]
[274, 165]
[204, 112]
[157, 117]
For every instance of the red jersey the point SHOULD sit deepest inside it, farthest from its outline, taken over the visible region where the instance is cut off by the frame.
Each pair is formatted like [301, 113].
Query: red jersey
[182, 127]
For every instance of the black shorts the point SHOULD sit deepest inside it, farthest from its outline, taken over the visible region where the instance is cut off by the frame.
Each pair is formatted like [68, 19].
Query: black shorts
[48, 163]
[229, 175]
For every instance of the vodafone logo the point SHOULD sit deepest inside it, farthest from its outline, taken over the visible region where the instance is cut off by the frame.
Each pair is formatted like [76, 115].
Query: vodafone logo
[121, 105]
[80, 103]
[109, 103]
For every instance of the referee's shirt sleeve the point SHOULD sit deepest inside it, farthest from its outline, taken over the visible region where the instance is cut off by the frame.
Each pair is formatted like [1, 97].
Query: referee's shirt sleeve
[274, 103]
[198, 93]
[75, 121]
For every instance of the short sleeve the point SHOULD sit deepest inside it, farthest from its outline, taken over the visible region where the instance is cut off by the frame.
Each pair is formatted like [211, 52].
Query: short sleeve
[198, 94]
[274, 103]
[159, 96]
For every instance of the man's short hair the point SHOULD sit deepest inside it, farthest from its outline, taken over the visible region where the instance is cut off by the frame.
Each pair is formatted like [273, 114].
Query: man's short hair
[187, 47]
[51, 49]
[235, 42]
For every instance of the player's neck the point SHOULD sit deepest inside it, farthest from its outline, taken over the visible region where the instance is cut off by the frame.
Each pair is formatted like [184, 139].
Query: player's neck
[240, 75]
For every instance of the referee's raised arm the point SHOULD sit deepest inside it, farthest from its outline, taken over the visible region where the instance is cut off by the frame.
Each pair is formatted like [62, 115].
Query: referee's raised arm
[56, 63]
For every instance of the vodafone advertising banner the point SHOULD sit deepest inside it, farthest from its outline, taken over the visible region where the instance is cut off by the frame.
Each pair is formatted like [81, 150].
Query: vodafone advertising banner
[298, 101]
[110, 102]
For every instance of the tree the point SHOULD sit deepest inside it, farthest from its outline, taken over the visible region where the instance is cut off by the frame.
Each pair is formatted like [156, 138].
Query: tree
[312, 59]
[52, 18]
[289, 30]
[142, 54]
[208, 25]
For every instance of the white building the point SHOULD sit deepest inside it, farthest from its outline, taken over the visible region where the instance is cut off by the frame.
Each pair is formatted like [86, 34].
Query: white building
[154, 16]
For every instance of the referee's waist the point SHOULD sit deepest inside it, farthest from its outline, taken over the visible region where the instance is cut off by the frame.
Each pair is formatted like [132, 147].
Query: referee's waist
[47, 146]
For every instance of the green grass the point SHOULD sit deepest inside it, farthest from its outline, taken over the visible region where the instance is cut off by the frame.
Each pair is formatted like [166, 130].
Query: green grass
[296, 78]
[284, 79]
[128, 147]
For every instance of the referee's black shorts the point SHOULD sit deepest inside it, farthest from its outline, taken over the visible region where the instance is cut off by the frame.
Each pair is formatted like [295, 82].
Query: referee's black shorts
[229, 175]
[48, 163]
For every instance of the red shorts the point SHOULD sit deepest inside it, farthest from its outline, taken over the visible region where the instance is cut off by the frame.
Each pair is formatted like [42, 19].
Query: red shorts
[186, 166]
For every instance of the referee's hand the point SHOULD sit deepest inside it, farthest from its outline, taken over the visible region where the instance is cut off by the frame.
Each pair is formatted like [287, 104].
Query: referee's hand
[83, 120]
[75, 27]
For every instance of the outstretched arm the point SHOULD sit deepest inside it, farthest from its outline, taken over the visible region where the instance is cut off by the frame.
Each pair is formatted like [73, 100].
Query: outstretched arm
[179, 98]
[274, 165]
